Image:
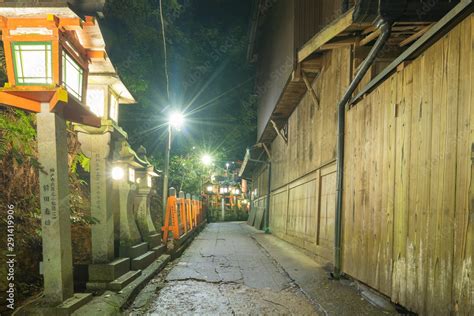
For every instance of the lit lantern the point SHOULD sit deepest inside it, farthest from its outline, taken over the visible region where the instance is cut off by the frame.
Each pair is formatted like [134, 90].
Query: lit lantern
[131, 175]
[124, 171]
[105, 92]
[48, 52]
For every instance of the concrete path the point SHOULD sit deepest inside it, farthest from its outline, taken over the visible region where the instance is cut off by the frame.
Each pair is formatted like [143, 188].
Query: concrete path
[226, 271]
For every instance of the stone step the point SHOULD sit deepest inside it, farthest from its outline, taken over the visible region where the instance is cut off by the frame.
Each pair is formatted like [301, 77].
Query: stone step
[143, 261]
[159, 250]
[108, 272]
[154, 240]
[137, 250]
[124, 280]
[74, 303]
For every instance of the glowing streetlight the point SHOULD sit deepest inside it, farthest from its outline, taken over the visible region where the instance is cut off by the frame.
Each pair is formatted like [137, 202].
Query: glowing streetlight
[176, 120]
[206, 160]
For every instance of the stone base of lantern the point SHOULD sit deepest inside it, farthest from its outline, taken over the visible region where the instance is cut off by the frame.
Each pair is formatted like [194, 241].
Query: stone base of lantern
[135, 251]
[100, 275]
[159, 250]
[153, 240]
[67, 307]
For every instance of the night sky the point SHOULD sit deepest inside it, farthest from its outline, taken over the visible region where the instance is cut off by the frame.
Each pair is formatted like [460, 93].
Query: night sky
[210, 78]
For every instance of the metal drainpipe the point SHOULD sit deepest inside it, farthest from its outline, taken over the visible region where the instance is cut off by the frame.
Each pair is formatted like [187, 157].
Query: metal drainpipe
[386, 28]
[267, 206]
[345, 6]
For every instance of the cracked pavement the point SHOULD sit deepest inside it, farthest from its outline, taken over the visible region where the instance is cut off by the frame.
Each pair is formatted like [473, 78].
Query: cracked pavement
[224, 272]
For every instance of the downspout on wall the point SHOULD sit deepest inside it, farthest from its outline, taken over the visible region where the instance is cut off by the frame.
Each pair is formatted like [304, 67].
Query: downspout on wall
[385, 27]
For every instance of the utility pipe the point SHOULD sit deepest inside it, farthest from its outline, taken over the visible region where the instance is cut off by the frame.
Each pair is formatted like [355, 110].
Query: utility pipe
[345, 6]
[267, 206]
[386, 29]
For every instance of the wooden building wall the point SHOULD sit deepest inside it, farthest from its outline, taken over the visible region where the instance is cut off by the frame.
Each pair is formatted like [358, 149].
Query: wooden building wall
[313, 15]
[408, 220]
[303, 171]
[408, 199]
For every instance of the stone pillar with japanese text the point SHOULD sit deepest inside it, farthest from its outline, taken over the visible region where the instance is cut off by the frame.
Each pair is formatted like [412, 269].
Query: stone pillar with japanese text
[55, 210]
[97, 147]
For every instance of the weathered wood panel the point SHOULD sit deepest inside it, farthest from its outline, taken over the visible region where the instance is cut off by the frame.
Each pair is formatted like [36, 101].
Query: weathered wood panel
[408, 213]
[304, 168]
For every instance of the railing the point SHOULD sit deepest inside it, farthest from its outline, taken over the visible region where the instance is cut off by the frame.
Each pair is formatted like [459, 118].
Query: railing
[184, 214]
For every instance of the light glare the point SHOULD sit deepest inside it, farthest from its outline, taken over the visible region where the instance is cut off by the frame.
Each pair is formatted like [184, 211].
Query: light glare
[206, 160]
[176, 120]
[117, 173]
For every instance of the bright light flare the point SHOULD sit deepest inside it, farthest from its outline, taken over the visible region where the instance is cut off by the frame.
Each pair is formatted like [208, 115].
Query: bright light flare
[206, 160]
[176, 120]
[118, 173]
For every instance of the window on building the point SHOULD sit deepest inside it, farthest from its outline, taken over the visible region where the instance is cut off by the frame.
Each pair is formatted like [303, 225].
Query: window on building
[32, 63]
[72, 76]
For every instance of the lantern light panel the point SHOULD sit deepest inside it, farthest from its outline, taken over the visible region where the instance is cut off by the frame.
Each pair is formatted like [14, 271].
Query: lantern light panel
[96, 100]
[32, 63]
[113, 110]
[131, 175]
[72, 76]
[149, 181]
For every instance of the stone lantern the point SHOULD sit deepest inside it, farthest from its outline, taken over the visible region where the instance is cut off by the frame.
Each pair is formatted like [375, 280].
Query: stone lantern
[48, 53]
[129, 241]
[142, 207]
[101, 144]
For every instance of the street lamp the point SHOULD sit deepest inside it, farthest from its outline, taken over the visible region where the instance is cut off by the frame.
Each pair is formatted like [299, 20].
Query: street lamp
[176, 121]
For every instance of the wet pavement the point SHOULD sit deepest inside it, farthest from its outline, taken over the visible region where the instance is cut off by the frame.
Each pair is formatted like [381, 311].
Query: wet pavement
[223, 272]
[231, 268]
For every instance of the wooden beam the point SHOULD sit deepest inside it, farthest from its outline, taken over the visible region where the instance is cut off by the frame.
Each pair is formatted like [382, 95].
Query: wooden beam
[19, 102]
[415, 36]
[313, 65]
[339, 44]
[326, 35]
[277, 130]
[414, 50]
[96, 54]
[311, 90]
[369, 38]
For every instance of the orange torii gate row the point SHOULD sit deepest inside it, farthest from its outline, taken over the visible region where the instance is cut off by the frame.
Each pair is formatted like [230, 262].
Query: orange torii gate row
[184, 214]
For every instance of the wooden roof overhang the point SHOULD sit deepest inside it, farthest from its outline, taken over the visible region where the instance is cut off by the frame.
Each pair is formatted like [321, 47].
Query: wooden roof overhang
[346, 30]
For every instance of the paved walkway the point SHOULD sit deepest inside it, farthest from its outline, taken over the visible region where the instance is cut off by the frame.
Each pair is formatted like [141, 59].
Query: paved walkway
[230, 268]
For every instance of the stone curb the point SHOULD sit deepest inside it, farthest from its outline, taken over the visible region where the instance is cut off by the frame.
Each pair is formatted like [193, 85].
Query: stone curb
[112, 303]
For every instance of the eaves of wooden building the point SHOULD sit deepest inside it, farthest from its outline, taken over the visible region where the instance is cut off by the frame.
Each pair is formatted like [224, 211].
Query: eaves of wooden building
[407, 215]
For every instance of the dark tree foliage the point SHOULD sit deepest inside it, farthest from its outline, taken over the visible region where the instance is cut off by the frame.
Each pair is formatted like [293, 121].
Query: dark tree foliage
[209, 76]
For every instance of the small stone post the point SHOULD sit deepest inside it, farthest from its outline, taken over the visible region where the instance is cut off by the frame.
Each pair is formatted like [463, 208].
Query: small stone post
[129, 235]
[55, 212]
[142, 205]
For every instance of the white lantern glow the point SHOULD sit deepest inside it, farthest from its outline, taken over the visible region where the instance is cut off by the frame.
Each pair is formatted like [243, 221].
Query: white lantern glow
[118, 173]
[72, 76]
[96, 100]
[33, 63]
[113, 108]
[131, 175]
